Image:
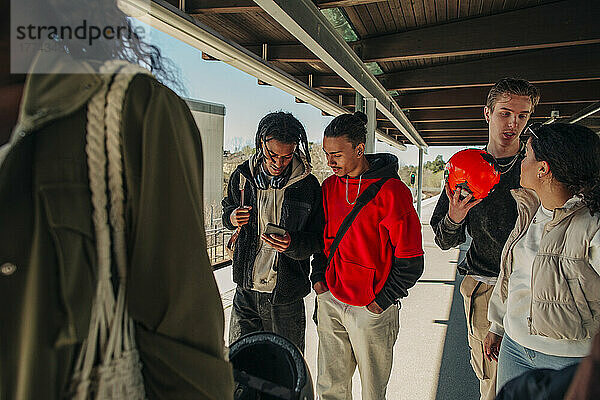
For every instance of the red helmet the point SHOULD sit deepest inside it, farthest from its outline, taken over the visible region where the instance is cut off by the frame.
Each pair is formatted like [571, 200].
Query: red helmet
[473, 170]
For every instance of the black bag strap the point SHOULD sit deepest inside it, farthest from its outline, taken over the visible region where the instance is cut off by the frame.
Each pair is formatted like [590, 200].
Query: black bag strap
[366, 196]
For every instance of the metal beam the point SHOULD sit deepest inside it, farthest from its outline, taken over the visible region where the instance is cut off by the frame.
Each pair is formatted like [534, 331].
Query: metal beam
[174, 22]
[285, 52]
[390, 139]
[359, 102]
[470, 126]
[538, 66]
[240, 6]
[345, 3]
[420, 183]
[223, 7]
[476, 113]
[455, 142]
[458, 140]
[451, 125]
[440, 136]
[564, 23]
[371, 111]
[304, 20]
[549, 65]
[584, 113]
[552, 93]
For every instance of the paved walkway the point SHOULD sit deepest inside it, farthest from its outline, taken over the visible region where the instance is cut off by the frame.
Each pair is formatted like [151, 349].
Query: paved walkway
[431, 358]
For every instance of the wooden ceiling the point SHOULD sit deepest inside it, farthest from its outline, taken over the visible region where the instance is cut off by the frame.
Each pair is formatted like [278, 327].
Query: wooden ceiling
[439, 57]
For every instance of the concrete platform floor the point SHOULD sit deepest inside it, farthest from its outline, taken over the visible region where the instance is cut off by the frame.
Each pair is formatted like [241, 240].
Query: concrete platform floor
[431, 355]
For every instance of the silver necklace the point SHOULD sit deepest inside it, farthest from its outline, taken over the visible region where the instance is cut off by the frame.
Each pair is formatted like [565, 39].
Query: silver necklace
[509, 164]
[357, 192]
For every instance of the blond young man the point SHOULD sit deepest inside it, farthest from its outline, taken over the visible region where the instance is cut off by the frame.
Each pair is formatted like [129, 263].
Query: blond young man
[510, 103]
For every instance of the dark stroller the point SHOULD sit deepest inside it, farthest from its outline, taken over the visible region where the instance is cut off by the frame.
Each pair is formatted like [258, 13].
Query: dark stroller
[267, 366]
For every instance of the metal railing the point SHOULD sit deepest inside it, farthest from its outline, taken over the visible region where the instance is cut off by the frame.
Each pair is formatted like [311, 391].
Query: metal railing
[216, 240]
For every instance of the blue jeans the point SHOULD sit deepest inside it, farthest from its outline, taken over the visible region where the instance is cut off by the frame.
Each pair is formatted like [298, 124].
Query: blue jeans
[515, 360]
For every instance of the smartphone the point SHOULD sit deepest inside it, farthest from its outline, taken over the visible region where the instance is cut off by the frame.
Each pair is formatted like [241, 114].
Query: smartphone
[275, 229]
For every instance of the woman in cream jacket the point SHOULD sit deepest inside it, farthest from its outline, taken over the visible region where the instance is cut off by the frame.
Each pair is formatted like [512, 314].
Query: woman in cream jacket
[545, 307]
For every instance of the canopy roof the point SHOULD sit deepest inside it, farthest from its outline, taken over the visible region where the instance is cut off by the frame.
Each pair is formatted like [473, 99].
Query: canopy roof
[428, 63]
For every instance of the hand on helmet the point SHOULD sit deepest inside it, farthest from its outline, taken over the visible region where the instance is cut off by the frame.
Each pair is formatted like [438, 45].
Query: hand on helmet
[457, 207]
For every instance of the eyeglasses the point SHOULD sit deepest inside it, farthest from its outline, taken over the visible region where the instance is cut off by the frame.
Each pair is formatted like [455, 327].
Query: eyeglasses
[533, 128]
[268, 152]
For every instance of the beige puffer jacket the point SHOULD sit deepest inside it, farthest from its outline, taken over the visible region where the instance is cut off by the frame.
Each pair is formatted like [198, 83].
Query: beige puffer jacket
[565, 289]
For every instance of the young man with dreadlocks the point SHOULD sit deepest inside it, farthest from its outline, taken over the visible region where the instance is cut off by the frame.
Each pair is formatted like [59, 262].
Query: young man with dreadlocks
[271, 271]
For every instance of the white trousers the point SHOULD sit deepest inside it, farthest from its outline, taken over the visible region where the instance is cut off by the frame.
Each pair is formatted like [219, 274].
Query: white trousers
[351, 336]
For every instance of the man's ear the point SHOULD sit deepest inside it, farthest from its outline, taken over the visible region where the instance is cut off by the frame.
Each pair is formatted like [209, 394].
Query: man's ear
[360, 149]
[486, 113]
[544, 168]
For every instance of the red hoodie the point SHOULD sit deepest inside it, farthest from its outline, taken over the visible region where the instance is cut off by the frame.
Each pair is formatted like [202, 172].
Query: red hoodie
[384, 232]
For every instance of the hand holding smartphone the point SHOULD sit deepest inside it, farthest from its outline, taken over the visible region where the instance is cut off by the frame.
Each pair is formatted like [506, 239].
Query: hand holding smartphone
[275, 230]
[277, 237]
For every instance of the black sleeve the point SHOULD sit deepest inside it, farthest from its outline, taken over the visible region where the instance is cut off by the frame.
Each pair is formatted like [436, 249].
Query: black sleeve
[232, 200]
[448, 233]
[310, 240]
[319, 263]
[404, 274]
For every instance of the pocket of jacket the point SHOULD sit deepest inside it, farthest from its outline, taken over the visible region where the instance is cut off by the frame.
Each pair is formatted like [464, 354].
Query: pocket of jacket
[295, 214]
[354, 280]
[69, 214]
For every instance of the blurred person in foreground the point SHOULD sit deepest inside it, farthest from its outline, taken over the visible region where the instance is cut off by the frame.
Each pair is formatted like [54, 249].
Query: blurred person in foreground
[510, 103]
[545, 308]
[48, 260]
[580, 381]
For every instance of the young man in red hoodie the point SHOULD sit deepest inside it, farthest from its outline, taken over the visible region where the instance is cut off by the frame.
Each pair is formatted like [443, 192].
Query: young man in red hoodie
[378, 259]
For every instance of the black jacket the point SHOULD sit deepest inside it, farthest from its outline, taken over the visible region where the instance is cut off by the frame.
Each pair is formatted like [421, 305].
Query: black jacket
[301, 215]
[489, 223]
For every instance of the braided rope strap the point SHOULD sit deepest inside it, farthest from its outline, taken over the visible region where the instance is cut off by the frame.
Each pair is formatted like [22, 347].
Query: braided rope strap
[108, 366]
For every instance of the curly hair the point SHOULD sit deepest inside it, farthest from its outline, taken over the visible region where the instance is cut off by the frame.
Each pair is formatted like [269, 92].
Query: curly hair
[353, 126]
[131, 48]
[571, 152]
[284, 127]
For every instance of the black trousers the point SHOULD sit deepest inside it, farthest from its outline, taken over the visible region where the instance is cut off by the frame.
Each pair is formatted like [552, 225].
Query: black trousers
[254, 312]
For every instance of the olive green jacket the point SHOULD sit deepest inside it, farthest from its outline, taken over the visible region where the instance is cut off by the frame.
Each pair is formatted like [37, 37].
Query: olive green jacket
[47, 248]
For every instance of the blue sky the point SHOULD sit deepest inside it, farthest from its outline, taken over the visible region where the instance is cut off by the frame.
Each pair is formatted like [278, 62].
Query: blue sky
[246, 101]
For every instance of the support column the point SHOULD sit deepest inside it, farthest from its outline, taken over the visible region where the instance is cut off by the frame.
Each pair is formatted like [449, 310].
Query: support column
[420, 182]
[371, 111]
[358, 102]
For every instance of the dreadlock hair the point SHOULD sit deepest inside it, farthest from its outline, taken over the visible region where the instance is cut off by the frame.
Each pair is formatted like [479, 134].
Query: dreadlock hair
[571, 152]
[353, 126]
[284, 127]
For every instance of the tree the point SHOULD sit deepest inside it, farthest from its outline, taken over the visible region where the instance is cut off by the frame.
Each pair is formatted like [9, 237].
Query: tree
[437, 165]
